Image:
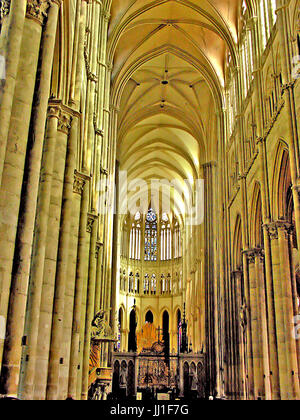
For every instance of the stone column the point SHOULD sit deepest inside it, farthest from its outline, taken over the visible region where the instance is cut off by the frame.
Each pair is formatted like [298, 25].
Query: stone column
[38, 257]
[10, 47]
[81, 188]
[70, 287]
[210, 176]
[84, 305]
[99, 286]
[115, 275]
[90, 306]
[52, 253]
[237, 277]
[20, 277]
[254, 310]
[287, 353]
[62, 264]
[16, 147]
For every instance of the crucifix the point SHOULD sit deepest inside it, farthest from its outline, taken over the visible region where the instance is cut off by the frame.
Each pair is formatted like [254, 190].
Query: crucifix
[159, 330]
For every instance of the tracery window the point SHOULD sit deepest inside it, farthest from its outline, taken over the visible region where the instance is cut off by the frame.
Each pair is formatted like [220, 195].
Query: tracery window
[268, 18]
[166, 284]
[151, 236]
[246, 51]
[177, 241]
[124, 242]
[135, 239]
[232, 105]
[166, 239]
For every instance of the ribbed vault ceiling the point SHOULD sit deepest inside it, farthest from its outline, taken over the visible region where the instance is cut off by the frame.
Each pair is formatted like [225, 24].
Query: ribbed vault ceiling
[168, 77]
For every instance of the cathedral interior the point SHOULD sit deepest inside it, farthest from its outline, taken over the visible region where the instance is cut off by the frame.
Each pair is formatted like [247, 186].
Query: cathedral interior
[150, 199]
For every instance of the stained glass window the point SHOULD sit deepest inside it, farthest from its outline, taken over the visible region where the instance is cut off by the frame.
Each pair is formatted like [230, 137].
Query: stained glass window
[151, 236]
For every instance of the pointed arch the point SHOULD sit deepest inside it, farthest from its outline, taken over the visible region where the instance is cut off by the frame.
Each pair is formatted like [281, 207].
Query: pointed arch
[256, 232]
[237, 244]
[281, 182]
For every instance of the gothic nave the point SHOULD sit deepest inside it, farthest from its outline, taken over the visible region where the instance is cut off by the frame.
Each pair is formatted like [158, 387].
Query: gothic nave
[149, 199]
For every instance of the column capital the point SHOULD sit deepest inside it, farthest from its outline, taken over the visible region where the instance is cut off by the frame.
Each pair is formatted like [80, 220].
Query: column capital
[58, 2]
[79, 183]
[90, 222]
[105, 14]
[37, 10]
[260, 140]
[254, 253]
[64, 122]
[288, 86]
[209, 165]
[273, 228]
[237, 273]
[297, 188]
[4, 9]
[54, 111]
[251, 22]
[99, 245]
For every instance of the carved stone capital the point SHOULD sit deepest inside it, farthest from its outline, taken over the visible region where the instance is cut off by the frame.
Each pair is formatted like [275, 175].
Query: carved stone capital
[274, 228]
[90, 222]
[253, 254]
[288, 86]
[79, 183]
[4, 9]
[99, 245]
[297, 188]
[105, 15]
[37, 10]
[64, 123]
[54, 111]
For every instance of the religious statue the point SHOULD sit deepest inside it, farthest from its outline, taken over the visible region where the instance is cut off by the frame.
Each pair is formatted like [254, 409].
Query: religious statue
[97, 392]
[194, 380]
[123, 377]
[243, 316]
[100, 328]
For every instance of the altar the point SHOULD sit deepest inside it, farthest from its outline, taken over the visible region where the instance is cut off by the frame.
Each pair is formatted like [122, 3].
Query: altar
[152, 373]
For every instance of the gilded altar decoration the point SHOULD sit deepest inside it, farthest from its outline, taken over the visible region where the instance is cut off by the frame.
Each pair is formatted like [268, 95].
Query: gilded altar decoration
[146, 338]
